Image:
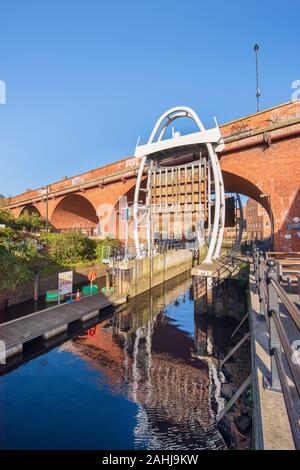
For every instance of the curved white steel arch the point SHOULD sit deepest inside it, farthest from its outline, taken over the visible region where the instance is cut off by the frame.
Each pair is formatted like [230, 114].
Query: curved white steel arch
[222, 215]
[219, 215]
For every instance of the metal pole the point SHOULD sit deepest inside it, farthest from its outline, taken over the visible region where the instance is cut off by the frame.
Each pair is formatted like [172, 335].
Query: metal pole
[47, 216]
[261, 275]
[272, 223]
[258, 93]
[126, 230]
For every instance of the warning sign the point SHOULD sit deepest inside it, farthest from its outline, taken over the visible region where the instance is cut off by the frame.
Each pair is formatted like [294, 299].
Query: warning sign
[65, 283]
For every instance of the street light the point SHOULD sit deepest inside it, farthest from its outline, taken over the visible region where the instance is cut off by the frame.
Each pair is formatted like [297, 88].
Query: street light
[258, 93]
[47, 208]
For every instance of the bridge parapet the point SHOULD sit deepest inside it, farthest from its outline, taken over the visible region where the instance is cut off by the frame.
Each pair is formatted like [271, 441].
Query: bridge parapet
[99, 176]
[277, 117]
[281, 116]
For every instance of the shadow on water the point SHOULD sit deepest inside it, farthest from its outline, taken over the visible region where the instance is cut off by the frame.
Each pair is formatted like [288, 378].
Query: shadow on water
[144, 377]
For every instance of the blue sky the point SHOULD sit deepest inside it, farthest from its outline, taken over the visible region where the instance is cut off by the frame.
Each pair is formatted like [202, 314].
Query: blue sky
[84, 79]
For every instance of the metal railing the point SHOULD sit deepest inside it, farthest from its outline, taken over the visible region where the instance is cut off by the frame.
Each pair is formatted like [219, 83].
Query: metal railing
[129, 252]
[88, 231]
[275, 303]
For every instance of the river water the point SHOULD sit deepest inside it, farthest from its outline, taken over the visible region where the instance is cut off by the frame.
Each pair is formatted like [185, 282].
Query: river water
[139, 379]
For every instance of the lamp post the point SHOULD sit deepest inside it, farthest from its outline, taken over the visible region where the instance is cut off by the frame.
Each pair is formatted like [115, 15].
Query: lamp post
[258, 93]
[47, 217]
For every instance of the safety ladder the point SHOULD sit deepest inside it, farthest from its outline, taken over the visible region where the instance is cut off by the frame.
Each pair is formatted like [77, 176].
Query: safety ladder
[115, 276]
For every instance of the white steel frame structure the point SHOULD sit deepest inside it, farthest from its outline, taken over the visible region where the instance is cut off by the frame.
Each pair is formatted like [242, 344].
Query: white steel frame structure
[213, 141]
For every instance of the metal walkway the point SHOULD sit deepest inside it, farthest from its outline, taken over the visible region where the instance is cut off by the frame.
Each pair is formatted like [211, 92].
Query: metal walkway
[53, 321]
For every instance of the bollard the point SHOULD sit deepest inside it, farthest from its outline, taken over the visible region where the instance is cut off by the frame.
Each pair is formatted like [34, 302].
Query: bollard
[273, 309]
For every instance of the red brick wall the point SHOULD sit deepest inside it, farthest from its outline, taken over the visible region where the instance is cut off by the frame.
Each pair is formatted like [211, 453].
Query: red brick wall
[274, 171]
[264, 119]
[254, 170]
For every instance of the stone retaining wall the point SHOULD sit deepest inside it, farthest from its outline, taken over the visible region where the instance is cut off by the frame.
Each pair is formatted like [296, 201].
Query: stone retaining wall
[138, 276]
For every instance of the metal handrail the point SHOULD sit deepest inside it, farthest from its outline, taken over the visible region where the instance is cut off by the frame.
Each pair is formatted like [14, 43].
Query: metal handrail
[272, 296]
[118, 252]
[292, 411]
[289, 305]
[295, 370]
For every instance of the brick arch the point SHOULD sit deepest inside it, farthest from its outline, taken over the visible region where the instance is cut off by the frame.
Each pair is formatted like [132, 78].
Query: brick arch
[271, 170]
[30, 208]
[237, 184]
[74, 212]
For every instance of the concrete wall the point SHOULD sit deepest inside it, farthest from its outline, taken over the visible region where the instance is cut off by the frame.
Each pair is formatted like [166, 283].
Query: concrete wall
[138, 276]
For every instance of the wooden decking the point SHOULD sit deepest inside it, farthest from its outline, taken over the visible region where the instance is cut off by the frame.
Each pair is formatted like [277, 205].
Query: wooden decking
[53, 321]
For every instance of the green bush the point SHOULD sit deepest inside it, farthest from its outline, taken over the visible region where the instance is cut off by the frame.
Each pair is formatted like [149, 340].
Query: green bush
[8, 233]
[68, 248]
[13, 271]
[7, 218]
[12, 241]
[30, 221]
[100, 252]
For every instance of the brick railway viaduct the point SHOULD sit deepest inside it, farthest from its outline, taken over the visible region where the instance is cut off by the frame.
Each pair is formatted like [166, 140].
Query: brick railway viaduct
[260, 160]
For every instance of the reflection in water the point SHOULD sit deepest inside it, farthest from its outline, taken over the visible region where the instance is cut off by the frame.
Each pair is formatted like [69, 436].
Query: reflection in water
[148, 352]
[146, 377]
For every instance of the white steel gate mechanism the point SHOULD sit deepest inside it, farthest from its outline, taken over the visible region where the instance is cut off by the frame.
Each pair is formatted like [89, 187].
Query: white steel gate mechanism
[212, 140]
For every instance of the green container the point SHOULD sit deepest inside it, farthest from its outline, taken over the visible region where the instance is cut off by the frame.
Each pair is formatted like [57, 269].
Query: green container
[52, 296]
[111, 289]
[86, 290]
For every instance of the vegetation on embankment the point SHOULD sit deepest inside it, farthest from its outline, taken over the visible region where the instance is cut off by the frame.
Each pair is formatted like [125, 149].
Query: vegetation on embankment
[26, 249]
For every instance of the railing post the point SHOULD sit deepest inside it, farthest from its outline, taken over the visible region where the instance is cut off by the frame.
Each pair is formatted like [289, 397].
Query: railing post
[261, 280]
[255, 260]
[273, 309]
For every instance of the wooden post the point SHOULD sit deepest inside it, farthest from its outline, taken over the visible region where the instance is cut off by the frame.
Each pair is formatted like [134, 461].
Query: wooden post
[36, 287]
